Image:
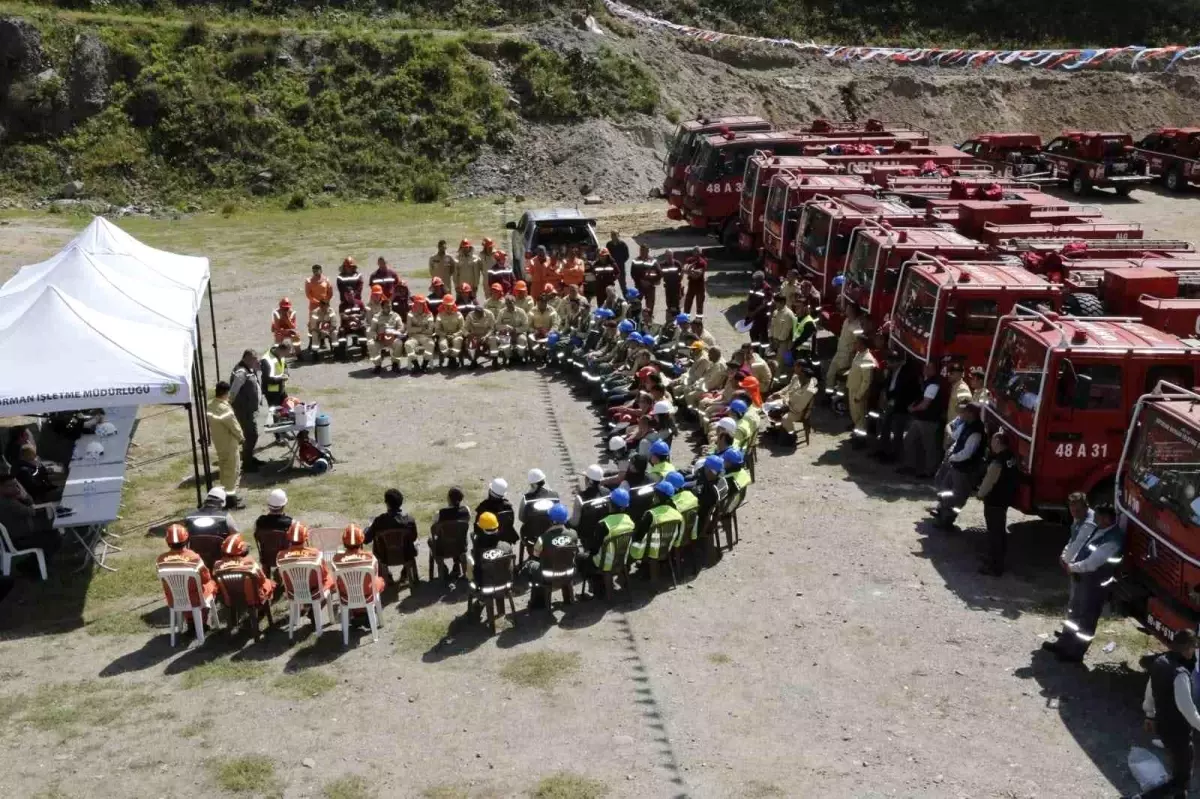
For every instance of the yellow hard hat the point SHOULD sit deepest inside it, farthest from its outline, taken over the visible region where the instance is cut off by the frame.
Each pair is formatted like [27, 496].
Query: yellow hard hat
[488, 521]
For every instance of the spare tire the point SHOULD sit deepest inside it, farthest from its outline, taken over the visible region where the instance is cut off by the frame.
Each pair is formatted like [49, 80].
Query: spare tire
[1083, 305]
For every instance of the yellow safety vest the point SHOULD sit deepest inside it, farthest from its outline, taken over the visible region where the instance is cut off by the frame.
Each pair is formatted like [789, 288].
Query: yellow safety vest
[686, 502]
[651, 546]
[615, 525]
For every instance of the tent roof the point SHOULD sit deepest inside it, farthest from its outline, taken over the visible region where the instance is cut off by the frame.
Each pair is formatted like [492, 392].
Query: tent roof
[116, 285]
[60, 355]
[104, 238]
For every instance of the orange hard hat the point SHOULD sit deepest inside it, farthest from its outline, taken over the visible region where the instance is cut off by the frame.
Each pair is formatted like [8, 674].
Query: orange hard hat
[548, 289]
[437, 281]
[465, 288]
[520, 287]
[177, 534]
[297, 534]
[497, 288]
[749, 381]
[377, 289]
[285, 303]
[501, 256]
[348, 261]
[419, 300]
[488, 242]
[465, 243]
[353, 536]
[448, 305]
[234, 545]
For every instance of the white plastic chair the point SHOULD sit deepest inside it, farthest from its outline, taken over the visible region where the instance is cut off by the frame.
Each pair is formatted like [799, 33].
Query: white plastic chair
[8, 552]
[354, 579]
[180, 580]
[300, 593]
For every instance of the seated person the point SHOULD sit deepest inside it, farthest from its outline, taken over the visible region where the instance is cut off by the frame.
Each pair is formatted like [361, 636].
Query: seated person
[180, 554]
[647, 543]
[497, 504]
[34, 477]
[532, 568]
[617, 523]
[27, 526]
[211, 518]
[593, 488]
[618, 453]
[454, 511]
[393, 518]
[353, 555]
[235, 559]
[300, 553]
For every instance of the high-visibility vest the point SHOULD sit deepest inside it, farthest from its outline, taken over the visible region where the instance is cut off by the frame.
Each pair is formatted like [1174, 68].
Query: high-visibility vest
[615, 525]
[741, 479]
[661, 469]
[651, 546]
[686, 502]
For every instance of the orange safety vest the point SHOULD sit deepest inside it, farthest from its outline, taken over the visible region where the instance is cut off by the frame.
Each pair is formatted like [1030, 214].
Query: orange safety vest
[186, 557]
[318, 290]
[372, 587]
[259, 588]
[305, 555]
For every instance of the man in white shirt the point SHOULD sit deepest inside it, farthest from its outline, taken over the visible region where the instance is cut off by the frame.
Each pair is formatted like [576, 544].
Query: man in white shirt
[1091, 558]
[1171, 712]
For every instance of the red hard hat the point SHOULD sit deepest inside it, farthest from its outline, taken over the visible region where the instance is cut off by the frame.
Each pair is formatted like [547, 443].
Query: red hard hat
[488, 242]
[437, 281]
[177, 534]
[353, 536]
[465, 288]
[497, 288]
[419, 300]
[297, 534]
[462, 245]
[501, 256]
[377, 290]
[646, 371]
[285, 303]
[448, 305]
[234, 545]
[520, 287]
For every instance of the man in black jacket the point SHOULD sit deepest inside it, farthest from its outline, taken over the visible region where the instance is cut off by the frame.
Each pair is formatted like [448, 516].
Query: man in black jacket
[1171, 712]
[393, 518]
[997, 491]
[496, 503]
[619, 251]
[962, 462]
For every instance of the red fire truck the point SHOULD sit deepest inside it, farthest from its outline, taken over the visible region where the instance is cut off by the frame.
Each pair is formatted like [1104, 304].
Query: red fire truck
[1087, 159]
[686, 141]
[902, 153]
[1172, 154]
[1009, 153]
[785, 202]
[760, 169]
[1064, 389]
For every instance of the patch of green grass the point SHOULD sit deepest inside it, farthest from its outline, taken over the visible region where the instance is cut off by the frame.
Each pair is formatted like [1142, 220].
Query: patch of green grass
[304, 684]
[1130, 640]
[542, 669]
[196, 727]
[719, 658]
[445, 791]
[71, 709]
[118, 623]
[360, 497]
[761, 790]
[224, 670]
[421, 632]
[52, 791]
[353, 787]
[566, 785]
[250, 774]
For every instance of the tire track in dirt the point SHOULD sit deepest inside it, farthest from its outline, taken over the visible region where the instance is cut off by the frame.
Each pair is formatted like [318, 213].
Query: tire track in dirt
[645, 698]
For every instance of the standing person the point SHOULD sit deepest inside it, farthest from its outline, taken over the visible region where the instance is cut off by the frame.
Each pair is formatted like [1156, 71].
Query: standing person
[902, 387]
[318, 290]
[441, 264]
[1091, 558]
[274, 375]
[604, 274]
[1170, 708]
[858, 382]
[227, 437]
[758, 308]
[957, 479]
[997, 491]
[646, 275]
[696, 269]
[245, 395]
[349, 281]
[804, 336]
[385, 277]
[487, 255]
[468, 268]
[975, 381]
[537, 270]
[574, 269]
[922, 444]
[959, 392]
[851, 326]
[783, 327]
[619, 251]
[672, 282]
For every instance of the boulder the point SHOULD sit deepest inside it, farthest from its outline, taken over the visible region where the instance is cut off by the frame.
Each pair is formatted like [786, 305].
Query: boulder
[87, 85]
[21, 44]
[71, 190]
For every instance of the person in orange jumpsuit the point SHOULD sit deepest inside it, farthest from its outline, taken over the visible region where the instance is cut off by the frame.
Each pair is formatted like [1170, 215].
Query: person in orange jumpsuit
[283, 324]
[235, 559]
[317, 288]
[299, 552]
[180, 554]
[537, 270]
[573, 269]
[354, 555]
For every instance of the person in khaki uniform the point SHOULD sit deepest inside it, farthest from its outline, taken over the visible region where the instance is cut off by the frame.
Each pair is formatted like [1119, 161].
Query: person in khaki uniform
[227, 438]
[797, 396]
[851, 326]
[515, 323]
[468, 268]
[487, 255]
[322, 326]
[383, 335]
[480, 325]
[960, 392]
[544, 318]
[783, 325]
[858, 381]
[419, 345]
[441, 264]
[714, 377]
[495, 300]
[450, 327]
[524, 301]
[758, 367]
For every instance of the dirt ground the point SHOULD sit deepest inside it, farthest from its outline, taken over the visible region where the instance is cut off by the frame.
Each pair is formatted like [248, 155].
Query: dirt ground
[841, 649]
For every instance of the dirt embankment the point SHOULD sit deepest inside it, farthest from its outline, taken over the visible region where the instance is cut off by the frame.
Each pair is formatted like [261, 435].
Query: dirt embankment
[622, 161]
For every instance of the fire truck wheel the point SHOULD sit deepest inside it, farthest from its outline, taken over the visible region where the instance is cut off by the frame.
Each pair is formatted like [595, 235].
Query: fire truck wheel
[1083, 305]
[1173, 180]
[1079, 184]
[1123, 191]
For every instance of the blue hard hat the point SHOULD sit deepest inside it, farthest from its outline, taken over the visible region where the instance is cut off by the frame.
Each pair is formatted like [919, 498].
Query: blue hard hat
[682, 319]
[734, 457]
[559, 513]
[649, 340]
[625, 327]
[638, 337]
[676, 479]
[632, 294]
[619, 498]
[714, 464]
[552, 339]
[739, 407]
[665, 488]
[839, 280]
[604, 313]
[660, 448]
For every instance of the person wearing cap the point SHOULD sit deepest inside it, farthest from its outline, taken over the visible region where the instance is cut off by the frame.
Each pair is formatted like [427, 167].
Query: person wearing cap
[354, 556]
[851, 325]
[467, 268]
[648, 539]
[603, 276]
[212, 517]
[976, 377]
[179, 554]
[276, 519]
[421, 327]
[464, 296]
[349, 281]
[858, 382]
[497, 502]
[438, 291]
[275, 376]
[552, 536]
[646, 275]
[783, 327]
[736, 473]
[284, 325]
[487, 254]
[386, 278]
[959, 393]
[480, 326]
[961, 472]
[513, 322]
[724, 433]
[450, 327]
[521, 294]
[693, 378]
[235, 559]
[227, 437]
[711, 487]
[797, 397]
[384, 334]
[660, 460]
[537, 490]
[593, 488]
[394, 517]
[612, 526]
[495, 300]
[299, 553]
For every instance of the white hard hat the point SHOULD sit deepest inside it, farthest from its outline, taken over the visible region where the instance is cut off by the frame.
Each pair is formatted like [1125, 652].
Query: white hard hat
[616, 444]
[728, 425]
[595, 472]
[536, 476]
[498, 487]
[277, 498]
[660, 407]
[217, 492]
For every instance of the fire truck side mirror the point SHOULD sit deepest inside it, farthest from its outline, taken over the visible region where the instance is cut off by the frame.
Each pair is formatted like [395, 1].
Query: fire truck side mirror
[891, 279]
[949, 326]
[1083, 392]
[510, 225]
[841, 242]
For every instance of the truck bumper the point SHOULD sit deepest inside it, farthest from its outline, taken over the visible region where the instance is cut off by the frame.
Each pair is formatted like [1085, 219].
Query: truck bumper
[675, 212]
[1125, 180]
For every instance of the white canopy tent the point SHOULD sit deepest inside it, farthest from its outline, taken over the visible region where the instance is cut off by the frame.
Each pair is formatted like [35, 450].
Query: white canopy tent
[102, 237]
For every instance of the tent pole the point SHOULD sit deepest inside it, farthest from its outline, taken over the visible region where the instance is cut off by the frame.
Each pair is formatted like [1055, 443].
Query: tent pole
[195, 460]
[200, 380]
[198, 398]
[212, 315]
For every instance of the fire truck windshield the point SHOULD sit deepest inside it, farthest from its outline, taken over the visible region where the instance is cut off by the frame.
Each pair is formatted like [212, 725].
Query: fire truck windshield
[814, 236]
[860, 266]
[916, 302]
[1164, 461]
[1018, 377]
[681, 146]
[777, 203]
[750, 185]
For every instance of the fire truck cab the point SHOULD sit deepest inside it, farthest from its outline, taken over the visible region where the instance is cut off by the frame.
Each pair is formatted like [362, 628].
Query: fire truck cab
[686, 141]
[785, 203]
[756, 184]
[1087, 159]
[1064, 389]
[1010, 153]
[1173, 155]
[1157, 488]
